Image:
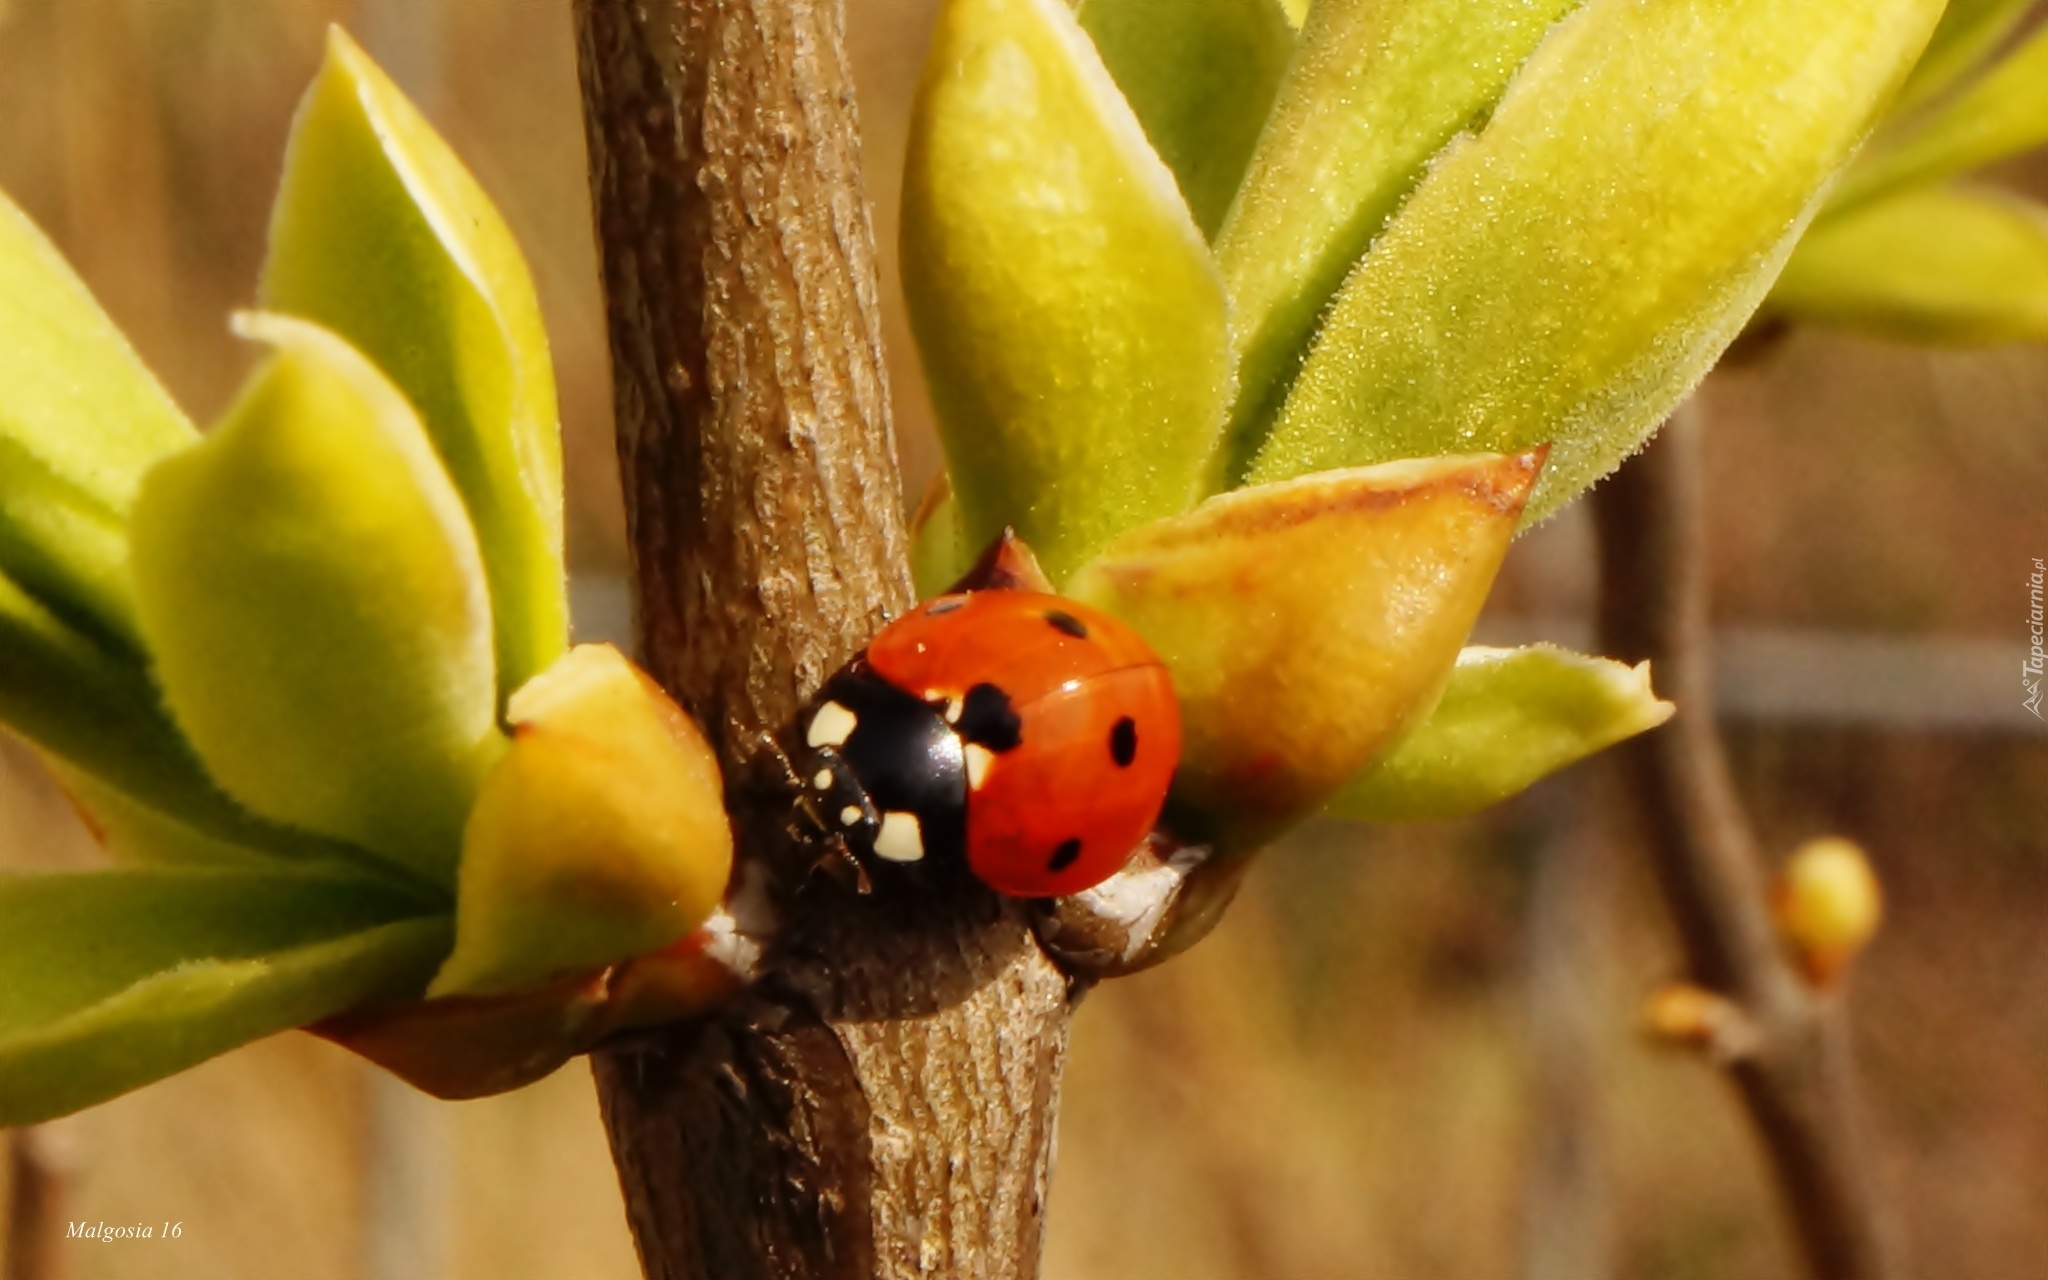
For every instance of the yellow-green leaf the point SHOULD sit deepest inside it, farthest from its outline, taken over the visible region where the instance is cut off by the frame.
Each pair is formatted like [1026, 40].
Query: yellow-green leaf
[1379, 86]
[312, 594]
[2002, 114]
[601, 835]
[381, 235]
[1568, 275]
[1200, 75]
[80, 420]
[1308, 623]
[69, 695]
[1933, 265]
[1071, 320]
[1507, 718]
[1967, 34]
[111, 980]
[938, 554]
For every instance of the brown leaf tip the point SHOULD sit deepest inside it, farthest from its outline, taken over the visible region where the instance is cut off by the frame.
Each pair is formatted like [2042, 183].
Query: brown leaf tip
[1007, 565]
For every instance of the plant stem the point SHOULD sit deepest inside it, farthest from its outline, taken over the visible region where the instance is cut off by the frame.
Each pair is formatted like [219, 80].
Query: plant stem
[881, 1103]
[1797, 1078]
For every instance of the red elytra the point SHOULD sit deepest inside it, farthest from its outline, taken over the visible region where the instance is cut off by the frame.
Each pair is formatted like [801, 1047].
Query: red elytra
[1097, 730]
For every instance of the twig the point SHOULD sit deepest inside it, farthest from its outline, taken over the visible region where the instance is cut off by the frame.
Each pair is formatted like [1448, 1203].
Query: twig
[37, 1176]
[1797, 1078]
[882, 1102]
[1567, 1192]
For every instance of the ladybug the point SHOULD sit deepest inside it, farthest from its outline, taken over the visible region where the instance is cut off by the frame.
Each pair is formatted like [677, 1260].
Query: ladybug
[1026, 735]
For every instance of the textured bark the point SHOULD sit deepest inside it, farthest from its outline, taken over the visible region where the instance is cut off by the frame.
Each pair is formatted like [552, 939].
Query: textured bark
[882, 1103]
[1792, 1064]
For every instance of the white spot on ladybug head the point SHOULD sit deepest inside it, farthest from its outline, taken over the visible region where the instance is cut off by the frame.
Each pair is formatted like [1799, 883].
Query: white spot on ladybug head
[849, 816]
[979, 758]
[831, 727]
[954, 707]
[901, 838]
[823, 781]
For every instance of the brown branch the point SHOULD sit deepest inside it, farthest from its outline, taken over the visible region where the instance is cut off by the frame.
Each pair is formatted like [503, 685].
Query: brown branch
[1795, 1074]
[881, 1104]
[37, 1174]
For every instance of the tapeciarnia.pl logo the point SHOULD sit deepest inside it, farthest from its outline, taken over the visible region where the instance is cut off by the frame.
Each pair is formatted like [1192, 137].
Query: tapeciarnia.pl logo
[2030, 669]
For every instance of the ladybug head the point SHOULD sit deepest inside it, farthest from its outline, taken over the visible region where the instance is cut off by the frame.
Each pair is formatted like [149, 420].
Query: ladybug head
[884, 772]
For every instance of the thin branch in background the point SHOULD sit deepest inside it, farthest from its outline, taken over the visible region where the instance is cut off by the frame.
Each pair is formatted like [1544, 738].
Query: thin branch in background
[1567, 1219]
[38, 1178]
[1792, 1068]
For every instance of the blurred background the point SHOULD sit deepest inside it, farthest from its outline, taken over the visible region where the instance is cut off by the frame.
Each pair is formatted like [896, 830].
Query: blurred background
[1408, 1053]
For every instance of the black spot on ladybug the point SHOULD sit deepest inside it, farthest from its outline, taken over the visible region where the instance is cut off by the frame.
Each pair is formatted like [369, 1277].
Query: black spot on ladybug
[1063, 857]
[1061, 620]
[1123, 742]
[987, 718]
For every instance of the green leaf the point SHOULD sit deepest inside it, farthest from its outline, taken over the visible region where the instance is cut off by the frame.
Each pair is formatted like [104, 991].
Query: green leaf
[1967, 34]
[66, 693]
[1200, 75]
[2001, 115]
[1071, 320]
[311, 590]
[80, 420]
[1379, 87]
[105, 729]
[1507, 718]
[113, 979]
[1308, 624]
[938, 553]
[1935, 265]
[1573, 271]
[381, 235]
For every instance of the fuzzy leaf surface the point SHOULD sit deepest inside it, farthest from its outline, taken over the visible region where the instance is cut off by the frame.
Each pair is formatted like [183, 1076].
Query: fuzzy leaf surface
[114, 979]
[80, 420]
[1308, 623]
[381, 235]
[97, 710]
[1379, 87]
[1071, 320]
[1941, 265]
[311, 590]
[1200, 75]
[1516, 297]
[1508, 717]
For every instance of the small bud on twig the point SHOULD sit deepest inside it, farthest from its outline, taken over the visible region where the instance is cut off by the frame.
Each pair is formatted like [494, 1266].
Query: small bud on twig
[1696, 1018]
[1827, 905]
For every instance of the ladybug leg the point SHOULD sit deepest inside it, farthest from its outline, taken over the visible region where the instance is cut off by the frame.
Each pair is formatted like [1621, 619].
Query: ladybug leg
[768, 747]
[839, 863]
